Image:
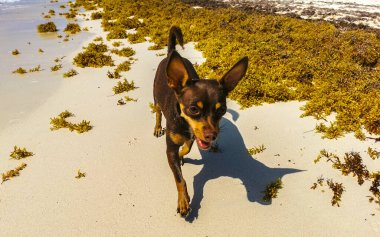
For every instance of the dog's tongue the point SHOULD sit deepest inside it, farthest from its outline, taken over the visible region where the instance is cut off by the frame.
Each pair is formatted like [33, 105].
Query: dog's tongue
[202, 144]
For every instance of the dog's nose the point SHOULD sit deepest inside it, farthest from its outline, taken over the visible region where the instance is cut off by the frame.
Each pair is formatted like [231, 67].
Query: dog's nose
[210, 136]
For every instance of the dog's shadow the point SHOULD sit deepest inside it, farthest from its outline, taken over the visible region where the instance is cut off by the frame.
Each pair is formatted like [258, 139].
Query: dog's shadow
[232, 160]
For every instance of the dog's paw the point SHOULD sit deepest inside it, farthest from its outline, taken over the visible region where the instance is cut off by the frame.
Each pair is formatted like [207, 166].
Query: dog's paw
[183, 204]
[158, 131]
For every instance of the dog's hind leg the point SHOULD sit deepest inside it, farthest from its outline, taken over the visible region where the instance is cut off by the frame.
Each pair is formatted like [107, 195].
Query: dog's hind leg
[158, 131]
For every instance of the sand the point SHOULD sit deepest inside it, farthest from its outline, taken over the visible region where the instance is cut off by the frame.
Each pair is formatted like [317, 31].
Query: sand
[129, 189]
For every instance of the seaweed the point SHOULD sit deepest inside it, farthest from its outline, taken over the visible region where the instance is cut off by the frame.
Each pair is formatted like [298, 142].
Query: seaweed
[319, 182]
[18, 153]
[48, 27]
[80, 174]
[62, 6]
[352, 164]
[373, 153]
[123, 67]
[70, 73]
[15, 52]
[98, 38]
[12, 173]
[36, 69]
[124, 86]
[20, 70]
[129, 99]
[374, 189]
[113, 75]
[96, 15]
[271, 190]
[93, 56]
[51, 12]
[56, 67]
[120, 102]
[124, 52]
[334, 70]
[136, 38]
[73, 28]
[61, 122]
[117, 33]
[338, 190]
[40, 50]
[256, 150]
[117, 43]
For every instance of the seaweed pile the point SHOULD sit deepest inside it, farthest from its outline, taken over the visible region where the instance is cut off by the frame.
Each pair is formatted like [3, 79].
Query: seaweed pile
[335, 70]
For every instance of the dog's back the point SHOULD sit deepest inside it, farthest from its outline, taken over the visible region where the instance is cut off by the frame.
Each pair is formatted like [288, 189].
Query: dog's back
[163, 95]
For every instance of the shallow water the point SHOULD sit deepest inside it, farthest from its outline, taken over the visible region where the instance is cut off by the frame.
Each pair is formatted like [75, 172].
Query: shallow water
[21, 94]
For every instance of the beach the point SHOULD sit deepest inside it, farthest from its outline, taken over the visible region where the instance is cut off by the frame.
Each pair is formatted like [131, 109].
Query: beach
[129, 189]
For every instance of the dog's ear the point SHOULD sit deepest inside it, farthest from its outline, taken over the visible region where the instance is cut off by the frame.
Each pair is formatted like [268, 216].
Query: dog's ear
[176, 72]
[234, 75]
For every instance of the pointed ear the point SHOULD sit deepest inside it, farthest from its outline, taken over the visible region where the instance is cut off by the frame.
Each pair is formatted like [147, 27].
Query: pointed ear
[233, 76]
[176, 72]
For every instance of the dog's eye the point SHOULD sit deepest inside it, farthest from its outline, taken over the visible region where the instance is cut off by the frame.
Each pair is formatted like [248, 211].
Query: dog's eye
[194, 110]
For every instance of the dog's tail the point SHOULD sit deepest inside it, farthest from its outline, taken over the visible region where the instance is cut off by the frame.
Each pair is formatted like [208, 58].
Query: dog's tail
[174, 35]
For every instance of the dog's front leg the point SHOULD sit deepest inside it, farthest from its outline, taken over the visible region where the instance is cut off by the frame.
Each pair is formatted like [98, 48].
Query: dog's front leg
[174, 163]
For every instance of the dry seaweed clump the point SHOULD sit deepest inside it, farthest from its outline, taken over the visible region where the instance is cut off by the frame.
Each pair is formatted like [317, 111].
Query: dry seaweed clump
[80, 175]
[124, 52]
[15, 52]
[70, 73]
[96, 15]
[73, 28]
[56, 67]
[93, 56]
[373, 153]
[36, 69]
[117, 43]
[124, 86]
[19, 153]
[123, 67]
[13, 173]
[338, 190]
[61, 122]
[20, 70]
[256, 150]
[113, 75]
[334, 70]
[117, 33]
[48, 27]
[271, 190]
[136, 38]
[352, 164]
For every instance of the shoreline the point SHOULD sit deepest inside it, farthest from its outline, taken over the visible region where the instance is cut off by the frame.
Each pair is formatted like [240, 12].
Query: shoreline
[341, 18]
[129, 189]
[21, 94]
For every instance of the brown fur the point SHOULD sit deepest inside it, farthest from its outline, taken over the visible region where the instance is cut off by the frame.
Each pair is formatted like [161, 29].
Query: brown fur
[192, 107]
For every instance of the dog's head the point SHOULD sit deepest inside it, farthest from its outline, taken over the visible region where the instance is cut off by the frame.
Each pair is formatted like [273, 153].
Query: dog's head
[202, 102]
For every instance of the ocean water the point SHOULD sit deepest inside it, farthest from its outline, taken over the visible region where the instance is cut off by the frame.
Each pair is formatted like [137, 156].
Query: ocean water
[20, 95]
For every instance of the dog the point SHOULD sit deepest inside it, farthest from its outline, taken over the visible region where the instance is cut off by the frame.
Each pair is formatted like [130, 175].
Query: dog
[192, 108]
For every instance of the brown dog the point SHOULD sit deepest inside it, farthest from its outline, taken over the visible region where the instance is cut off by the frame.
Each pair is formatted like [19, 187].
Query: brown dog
[192, 107]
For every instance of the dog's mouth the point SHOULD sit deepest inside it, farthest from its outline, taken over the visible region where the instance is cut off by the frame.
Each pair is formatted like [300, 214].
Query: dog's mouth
[203, 145]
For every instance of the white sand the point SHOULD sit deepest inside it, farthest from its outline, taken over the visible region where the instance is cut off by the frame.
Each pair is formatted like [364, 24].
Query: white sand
[129, 189]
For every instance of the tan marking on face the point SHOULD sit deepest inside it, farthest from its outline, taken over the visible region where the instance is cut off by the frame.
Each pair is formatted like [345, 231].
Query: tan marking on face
[196, 126]
[177, 138]
[218, 105]
[200, 104]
